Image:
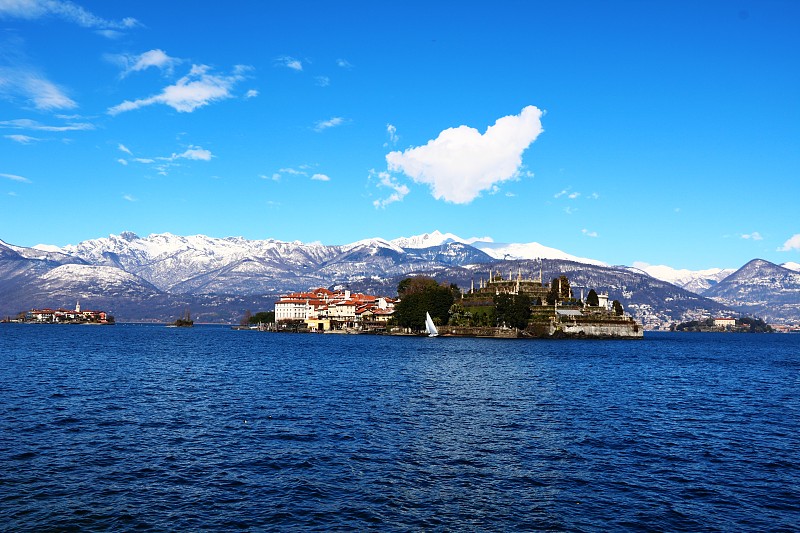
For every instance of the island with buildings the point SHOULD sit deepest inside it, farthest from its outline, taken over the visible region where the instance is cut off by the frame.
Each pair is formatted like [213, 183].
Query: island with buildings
[725, 325]
[63, 316]
[498, 307]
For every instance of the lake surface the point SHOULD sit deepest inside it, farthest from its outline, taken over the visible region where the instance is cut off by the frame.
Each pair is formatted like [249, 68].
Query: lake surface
[153, 428]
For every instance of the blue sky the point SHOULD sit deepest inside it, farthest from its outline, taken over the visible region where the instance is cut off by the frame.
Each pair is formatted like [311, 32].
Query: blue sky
[659, 132]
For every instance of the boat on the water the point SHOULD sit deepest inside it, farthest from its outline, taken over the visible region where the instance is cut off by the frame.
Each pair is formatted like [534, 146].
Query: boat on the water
[430, 327]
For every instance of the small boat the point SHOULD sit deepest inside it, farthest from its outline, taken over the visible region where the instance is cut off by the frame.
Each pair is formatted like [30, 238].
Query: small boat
[430, 327]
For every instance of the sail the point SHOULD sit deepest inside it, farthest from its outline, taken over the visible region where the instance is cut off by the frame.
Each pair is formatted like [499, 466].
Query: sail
[430, 328]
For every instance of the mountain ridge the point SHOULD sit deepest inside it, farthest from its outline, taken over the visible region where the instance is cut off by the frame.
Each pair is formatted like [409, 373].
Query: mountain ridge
[227, 271]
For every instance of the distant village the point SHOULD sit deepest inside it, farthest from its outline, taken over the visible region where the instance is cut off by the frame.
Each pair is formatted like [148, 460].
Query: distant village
[63, 316]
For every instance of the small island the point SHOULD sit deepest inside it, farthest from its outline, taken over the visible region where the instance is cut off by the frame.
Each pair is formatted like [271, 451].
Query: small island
[63, 316]
[183, 322]
[729, 325]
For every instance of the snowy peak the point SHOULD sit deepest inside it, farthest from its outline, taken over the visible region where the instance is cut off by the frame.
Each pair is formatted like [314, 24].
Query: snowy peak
[435, 238]
[495, 250]
[373, 246]
[531, 250]
[696, 281]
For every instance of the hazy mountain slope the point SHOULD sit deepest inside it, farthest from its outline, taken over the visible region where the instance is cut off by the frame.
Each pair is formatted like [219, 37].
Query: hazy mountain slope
[762, 289]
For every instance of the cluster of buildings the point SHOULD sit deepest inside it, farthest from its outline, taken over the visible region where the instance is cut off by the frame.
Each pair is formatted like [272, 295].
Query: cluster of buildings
[67, 316]
[325, 310]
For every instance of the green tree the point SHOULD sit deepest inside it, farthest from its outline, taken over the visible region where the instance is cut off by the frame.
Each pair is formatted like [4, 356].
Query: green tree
[459, 316]
[617, 307]
[592, 299]
[264, 317]
[419, 295]
[512, 310]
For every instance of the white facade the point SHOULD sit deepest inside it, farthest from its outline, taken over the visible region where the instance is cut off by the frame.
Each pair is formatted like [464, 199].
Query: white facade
[291, 310]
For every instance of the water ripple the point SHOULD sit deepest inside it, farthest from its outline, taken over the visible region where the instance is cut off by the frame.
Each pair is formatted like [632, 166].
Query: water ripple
[149, 428]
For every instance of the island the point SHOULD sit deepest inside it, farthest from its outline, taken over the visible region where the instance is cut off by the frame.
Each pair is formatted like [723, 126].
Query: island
[63, 316]
[498, 307]
[725, 324]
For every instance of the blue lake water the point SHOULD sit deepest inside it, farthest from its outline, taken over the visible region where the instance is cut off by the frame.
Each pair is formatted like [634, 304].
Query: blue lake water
[138, 427]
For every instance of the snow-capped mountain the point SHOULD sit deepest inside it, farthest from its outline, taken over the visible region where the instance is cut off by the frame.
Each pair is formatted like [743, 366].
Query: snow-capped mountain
[496, 250]
[435, 238]
[761, 288]
[696, 281]
[156, 276]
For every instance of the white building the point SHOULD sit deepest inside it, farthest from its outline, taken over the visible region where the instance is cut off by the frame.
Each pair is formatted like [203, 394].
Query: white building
[724, 322]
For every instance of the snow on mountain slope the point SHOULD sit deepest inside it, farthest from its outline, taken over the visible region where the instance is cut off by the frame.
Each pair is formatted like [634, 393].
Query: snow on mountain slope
[167, 260]
[696, 281]
[94, 280]
[531, 250]
[791, 265]
[44, 253]
[496, 250]
[372, 246]
[435, 238]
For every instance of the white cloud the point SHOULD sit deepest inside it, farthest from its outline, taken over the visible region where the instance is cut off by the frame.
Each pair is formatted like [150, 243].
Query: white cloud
[14, 177]
[793, 243]
[320, 177]
[196, 89]
[163, 164]
[152, 58]
[386, 180]
[292, 171]
[129, 198]
[331, 123]
[110, 34]
[566, 192]
[28, 124]
[35, 9]
[461, 162]
[391, 131]
[343, 63]
[22, 139]
[756, 236]
[252, 93]
[32, 86]
[322, 81]
[194, 153]
[589, 233]
[290, 62]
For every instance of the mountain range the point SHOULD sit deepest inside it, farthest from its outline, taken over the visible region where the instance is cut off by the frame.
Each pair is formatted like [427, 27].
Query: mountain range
[157, 277]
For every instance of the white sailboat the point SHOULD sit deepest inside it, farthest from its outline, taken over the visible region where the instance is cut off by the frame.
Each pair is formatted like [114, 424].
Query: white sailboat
[430, 328]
